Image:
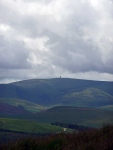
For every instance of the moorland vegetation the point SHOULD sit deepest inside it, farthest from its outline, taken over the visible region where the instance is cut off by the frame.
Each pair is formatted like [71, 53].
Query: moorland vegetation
[94, 139]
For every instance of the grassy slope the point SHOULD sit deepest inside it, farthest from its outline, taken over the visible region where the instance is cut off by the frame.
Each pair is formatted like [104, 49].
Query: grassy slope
[107, 107]
[27, 126]
[89, 97]
[29, 106]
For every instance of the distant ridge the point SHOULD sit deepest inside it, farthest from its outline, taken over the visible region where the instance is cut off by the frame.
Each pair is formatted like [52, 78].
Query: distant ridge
[60, 91]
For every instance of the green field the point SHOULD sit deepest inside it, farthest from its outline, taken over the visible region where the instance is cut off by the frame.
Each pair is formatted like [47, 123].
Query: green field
[29, 106]
[27, 126]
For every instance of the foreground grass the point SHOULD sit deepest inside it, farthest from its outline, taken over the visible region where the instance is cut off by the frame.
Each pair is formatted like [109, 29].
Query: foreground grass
[96, 139]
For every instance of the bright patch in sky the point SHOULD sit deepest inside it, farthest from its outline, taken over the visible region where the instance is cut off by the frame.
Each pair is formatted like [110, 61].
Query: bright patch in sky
[4, 27]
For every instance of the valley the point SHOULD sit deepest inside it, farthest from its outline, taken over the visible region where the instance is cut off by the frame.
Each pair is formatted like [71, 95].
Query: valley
[46, 101]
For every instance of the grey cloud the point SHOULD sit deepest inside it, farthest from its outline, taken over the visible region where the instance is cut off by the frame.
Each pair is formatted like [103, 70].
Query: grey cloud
[79, 38]
[39, 1]
[77, 56]
[13, 55]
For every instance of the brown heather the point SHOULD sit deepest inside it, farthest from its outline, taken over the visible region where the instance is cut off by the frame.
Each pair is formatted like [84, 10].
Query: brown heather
[95, 139]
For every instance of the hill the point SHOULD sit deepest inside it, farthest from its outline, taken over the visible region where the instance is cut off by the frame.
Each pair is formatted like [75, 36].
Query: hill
[78, 115]
[56, 91]
[89, 117]
[90, 97]
[83, 116]
[9, 109]
[23, 104]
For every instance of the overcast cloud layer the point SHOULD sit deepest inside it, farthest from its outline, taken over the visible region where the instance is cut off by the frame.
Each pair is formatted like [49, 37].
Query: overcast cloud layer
[53, 38]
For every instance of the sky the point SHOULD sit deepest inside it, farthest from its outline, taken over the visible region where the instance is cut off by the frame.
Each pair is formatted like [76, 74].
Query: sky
[53, 38]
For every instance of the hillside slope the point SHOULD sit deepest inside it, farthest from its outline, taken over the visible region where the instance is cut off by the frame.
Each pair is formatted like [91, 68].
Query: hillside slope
[9, 109]
[28, 106]
[53, 91]
[83, 116]
[90, 97]
[76, 115]
[107, 107]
